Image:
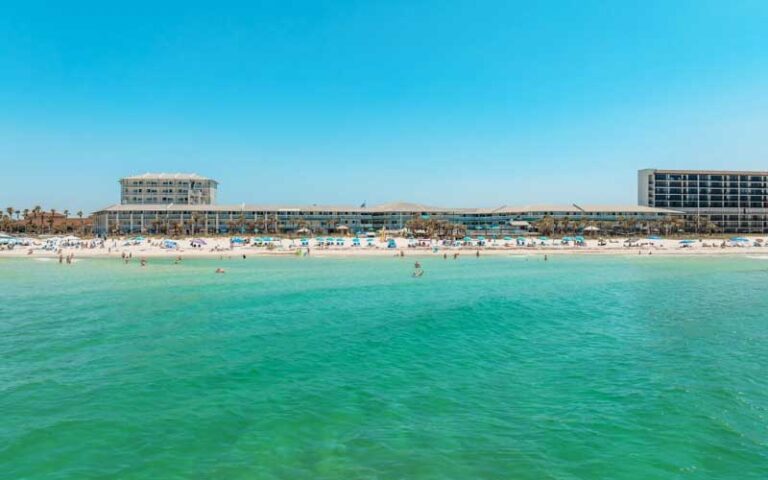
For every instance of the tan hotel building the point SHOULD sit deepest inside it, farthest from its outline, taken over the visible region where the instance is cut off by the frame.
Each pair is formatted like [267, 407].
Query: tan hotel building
[735, 201]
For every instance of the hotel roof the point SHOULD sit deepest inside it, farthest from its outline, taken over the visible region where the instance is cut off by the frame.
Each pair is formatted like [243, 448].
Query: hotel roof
[397, 207]
[166, 176]
[707, 172]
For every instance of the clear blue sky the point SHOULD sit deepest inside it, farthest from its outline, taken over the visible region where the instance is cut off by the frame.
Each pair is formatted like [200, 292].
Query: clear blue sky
[457, 103]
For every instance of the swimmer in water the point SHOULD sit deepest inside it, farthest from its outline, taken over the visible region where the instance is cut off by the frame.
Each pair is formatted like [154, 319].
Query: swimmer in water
[220, 270]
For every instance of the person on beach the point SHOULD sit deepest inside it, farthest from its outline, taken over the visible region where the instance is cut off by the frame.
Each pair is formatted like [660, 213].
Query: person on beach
[445, 256]
[545, 257]
[143, 262]
[402, 253]
[456, 255]
[243, 256]
[61, 259]
[477, 253]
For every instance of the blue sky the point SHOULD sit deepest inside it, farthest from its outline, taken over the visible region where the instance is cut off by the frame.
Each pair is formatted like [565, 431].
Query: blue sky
[457, 103]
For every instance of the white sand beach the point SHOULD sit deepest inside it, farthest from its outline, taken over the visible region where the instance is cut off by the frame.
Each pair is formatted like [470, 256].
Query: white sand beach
[211, 247]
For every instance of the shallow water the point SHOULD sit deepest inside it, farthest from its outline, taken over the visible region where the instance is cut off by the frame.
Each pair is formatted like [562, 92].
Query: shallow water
[310, 368]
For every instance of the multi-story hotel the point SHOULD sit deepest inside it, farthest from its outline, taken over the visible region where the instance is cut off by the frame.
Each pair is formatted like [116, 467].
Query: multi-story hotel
[168, 188]
[736, 202]
[201, 217]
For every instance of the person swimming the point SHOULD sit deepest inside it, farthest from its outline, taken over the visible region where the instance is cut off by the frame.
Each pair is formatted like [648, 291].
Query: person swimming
[220, 270]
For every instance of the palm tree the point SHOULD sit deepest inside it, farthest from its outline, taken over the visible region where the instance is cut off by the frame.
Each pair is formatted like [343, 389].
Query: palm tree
[195, 219]
[708, 226]
[10, 211]
[38, 210]
[545, 226]
[66, 217]
[51, 220]
[82, 227]
[274, 223]
[27, 219]
[302, 223]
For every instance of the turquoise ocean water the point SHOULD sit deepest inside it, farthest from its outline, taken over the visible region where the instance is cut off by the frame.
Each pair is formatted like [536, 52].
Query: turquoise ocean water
[310, 368]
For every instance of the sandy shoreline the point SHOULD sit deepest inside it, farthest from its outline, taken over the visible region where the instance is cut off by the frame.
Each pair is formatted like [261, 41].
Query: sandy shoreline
[221, 248]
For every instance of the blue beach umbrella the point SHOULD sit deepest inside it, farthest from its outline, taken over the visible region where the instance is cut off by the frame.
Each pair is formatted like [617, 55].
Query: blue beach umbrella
[507, 238]
[654, 237]
[687, 242]
[739, 239]
[543, 238]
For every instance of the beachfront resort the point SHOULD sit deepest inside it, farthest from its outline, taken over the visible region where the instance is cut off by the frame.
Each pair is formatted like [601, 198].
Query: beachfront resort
[179, 204]
[185, 204]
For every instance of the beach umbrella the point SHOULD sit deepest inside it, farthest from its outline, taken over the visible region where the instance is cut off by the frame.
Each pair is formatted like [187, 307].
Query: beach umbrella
[654, 237]
[687, 242]
[739, 239]
[579, 239]
[543, 238]
[481, 237]
[507, 238]
[467, 239]
[591, 228]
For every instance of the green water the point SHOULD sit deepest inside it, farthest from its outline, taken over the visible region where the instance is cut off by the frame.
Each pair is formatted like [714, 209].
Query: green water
[309, 368]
